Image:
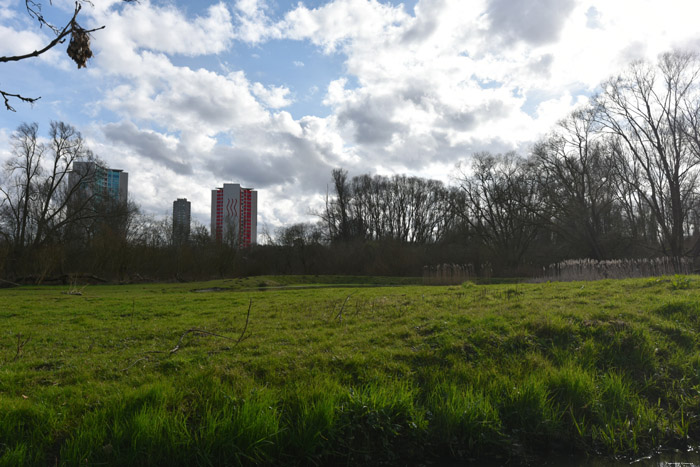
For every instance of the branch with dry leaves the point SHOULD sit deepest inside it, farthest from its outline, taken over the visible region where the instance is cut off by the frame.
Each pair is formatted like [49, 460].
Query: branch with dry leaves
[148, 355]
[78, 47]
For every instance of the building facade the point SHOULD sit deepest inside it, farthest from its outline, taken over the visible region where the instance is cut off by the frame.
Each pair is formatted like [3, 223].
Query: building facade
[234, 215]
[101, 182]
[181, 220]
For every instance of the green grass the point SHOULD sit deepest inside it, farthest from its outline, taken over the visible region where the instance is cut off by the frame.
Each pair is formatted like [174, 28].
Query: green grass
[345, 373]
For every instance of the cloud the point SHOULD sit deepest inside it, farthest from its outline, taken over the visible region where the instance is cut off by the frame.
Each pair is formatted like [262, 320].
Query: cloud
[541, 65]
[148, 145]
[371, 118]
[142, 25]
[198, 100]
[21, 41]
[536, 22]
[274, 97]
[292, 153]
[593, 18]
[253, 25]
[336, 23]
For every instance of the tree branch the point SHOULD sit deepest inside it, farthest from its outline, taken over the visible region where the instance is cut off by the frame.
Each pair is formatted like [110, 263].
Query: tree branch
[72, 28]
[195, 331]
[6, 96]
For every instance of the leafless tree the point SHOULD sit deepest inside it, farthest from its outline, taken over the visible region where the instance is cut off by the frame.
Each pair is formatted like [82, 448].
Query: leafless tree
[651, 112]
[36, 201]
[499, 205]
[35, 190]
[575, 174]
[401, 208]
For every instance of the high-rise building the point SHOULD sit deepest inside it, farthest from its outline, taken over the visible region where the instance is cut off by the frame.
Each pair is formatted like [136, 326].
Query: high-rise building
[181, 220]
[99, 181]
[234, 215]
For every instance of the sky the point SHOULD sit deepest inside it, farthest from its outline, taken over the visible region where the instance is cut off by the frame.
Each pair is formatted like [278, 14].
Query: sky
[273, 94]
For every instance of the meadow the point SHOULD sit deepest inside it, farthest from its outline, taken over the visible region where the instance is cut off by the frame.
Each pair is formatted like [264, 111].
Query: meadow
[345, 370]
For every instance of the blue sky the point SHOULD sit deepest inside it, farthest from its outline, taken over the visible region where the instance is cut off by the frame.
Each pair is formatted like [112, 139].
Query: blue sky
[187, 95]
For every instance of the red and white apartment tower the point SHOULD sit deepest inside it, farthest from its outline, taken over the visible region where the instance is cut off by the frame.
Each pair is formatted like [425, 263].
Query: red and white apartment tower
[234, 215]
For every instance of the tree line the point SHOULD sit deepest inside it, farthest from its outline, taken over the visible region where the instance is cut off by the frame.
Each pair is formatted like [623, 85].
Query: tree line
[617, 178]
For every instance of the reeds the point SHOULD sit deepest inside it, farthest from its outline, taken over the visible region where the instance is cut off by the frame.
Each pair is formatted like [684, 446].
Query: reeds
[448, 274]
[592, 270]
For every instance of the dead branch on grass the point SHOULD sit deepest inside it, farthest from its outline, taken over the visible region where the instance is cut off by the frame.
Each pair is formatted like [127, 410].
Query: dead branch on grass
[247, 318]
[339, 316]
[195, 331]
[20, 345]
[12, 284]
[73, 288]
[203, 332]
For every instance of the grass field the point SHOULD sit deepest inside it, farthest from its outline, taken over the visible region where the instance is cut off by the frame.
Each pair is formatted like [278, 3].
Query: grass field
[164, 374]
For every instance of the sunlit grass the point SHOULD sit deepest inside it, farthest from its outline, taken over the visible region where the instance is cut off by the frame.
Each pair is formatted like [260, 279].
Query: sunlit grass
[359, 375]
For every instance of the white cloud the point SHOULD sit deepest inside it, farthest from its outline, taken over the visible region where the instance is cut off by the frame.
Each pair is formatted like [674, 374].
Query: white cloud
[273, 97]
[142, 25]
[335, 23]
[253, 25]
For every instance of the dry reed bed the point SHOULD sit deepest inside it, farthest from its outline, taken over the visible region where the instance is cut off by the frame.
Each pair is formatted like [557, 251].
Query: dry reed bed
[592, 270]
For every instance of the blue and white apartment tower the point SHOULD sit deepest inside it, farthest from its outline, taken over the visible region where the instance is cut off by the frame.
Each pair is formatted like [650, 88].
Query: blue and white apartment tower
[102, 182]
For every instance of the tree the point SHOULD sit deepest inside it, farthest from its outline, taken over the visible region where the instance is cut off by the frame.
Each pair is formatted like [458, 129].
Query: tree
[575, 175]
[651, 112]
[78, 47]
[498, 204]
[401, 208]
[300, 244]
[336, 214]
[36, 201]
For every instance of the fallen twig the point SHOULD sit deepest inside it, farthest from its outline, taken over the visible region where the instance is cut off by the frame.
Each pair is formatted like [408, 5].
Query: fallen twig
[135, 362]
[240, 338]
[195, 331]
[198, 331]
[20, 345]
[14, 284]
[339, 316]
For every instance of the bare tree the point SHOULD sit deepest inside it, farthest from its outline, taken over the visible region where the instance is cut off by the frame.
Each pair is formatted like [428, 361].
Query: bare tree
[336, 215]
[650, 111]
[499, 202]
[402, 208]
[36, 201]
[576, 182]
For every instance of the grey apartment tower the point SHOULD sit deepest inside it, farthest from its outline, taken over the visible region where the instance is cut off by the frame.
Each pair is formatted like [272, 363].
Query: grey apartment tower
[181, 221]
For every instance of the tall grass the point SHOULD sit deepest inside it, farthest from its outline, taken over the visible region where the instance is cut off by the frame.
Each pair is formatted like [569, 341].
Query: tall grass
[448, 274]
[591, 270]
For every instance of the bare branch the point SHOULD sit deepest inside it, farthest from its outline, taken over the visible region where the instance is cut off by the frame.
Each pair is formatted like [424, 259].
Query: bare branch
[203, 332]
[7, 95]
[60, 35]
[250, 304]
[20, 345]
